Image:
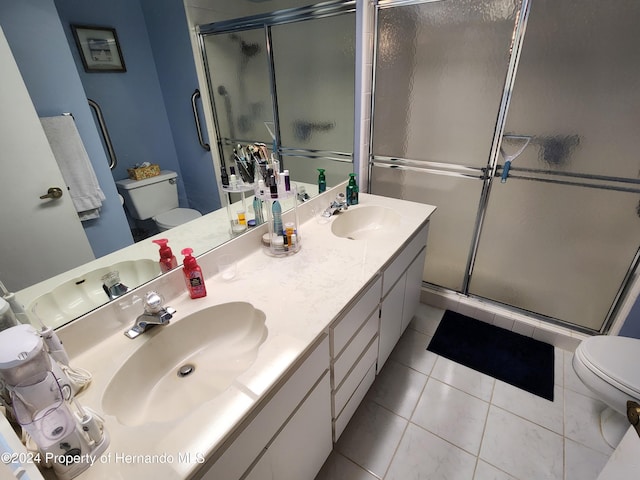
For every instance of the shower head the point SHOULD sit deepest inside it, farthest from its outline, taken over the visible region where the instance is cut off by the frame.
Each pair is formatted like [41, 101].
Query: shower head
[222, 91]
[247, 49]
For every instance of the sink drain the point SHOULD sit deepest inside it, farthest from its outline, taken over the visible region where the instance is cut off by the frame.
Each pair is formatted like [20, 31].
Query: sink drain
[186, 370]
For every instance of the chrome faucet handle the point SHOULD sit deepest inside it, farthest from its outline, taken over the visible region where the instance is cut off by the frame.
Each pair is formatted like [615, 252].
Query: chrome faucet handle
[154, 314]
[153, 302]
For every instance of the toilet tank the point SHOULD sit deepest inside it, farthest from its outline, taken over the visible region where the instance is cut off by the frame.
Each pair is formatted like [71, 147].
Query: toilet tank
[151, 196]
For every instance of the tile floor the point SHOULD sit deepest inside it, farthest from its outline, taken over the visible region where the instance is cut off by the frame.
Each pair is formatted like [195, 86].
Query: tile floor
[426, 417]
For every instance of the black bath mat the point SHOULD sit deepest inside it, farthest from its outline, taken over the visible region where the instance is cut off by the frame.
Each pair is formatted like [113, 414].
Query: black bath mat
[516, 359]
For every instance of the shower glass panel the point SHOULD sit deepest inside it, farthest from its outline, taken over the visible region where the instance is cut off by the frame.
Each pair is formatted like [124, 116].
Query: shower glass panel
[314, 64]
[577, 90]
[560, 251]
[439, 78]
[564, 251]
[451, 226]
[239, 75]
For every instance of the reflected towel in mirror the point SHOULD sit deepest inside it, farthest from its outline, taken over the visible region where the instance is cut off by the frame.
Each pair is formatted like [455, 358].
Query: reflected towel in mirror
[75, 166]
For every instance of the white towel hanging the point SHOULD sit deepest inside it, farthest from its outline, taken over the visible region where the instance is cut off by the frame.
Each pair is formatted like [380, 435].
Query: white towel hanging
[75, 166]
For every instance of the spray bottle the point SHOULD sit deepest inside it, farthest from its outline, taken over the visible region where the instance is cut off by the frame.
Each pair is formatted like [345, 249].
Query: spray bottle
[167, 258]
[193, 275]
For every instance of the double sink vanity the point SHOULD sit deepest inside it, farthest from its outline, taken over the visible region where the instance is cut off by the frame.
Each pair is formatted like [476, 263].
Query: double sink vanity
[259, 378]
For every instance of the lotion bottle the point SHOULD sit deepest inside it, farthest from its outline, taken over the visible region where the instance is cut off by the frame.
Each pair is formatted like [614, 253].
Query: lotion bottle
[352, 190]
[322, 181]
[193, 275]
[167, 258]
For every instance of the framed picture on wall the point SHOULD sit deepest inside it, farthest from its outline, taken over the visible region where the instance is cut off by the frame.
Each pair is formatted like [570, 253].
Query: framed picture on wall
[99, 48]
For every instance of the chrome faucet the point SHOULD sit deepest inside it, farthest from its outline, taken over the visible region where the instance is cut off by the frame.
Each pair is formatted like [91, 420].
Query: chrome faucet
[154, 314]
[112, 285]
[338, 205]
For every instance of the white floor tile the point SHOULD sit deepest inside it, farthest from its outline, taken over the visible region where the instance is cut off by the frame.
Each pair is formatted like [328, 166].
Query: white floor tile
[338, 467]
[582, 421]
[532, 407]
[558, 366]
[423, 456]
[521, 448]
[398, 388]
[427, 319]
[484, 471]
[411, 350]
[464, 378]
[452, 414]
[582, 463]
[372, 437]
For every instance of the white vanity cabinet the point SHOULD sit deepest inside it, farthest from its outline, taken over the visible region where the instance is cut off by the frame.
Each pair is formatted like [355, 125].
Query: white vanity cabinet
[401, 282]
[363, 337]
[290, 436]
[354, 350]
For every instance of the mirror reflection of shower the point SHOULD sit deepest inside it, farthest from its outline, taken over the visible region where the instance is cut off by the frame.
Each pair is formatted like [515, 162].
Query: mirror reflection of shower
[248, 111]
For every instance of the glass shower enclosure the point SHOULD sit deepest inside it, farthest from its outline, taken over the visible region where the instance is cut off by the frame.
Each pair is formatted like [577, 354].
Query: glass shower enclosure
[517, 120]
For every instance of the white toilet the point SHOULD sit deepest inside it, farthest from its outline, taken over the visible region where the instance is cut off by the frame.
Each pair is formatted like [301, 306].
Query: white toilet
[610, 367]
[156, 198]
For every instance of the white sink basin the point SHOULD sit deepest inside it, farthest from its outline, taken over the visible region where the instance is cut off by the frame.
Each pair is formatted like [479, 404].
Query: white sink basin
[212, 346]
[76, 297]
[361, 223]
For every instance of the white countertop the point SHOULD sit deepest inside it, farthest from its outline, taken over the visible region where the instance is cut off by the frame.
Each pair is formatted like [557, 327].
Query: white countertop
[201, 234]
[301, 295]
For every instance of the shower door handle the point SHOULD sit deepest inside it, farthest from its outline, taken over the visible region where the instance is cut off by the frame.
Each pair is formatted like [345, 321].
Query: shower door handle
[194, 107]
[54, 193]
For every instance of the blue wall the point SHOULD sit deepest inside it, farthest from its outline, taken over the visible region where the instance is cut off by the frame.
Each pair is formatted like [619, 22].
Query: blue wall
[39, 45]
[168, 31]
[131, 101]
[631, 327]
[148, 108]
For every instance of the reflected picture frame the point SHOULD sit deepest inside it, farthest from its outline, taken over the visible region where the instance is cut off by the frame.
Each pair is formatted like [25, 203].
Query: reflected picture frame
[99, 48]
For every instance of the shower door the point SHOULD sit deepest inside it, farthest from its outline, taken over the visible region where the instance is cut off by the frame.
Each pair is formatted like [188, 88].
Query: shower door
[440, 73]
[560, 237]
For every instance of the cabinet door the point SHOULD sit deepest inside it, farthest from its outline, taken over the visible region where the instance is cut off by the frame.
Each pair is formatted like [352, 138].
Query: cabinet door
[303, 445]
[390, 321]
[412, 289]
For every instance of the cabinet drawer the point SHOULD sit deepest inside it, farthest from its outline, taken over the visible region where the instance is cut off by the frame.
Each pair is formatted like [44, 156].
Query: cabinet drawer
[344, 392]
[349, 356]
[342, 330]
[397, 267]
[259, 432]
[341, 422]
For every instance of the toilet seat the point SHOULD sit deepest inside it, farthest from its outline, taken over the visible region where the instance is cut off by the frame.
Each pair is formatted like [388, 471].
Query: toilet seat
[176, 217]
[613, 359]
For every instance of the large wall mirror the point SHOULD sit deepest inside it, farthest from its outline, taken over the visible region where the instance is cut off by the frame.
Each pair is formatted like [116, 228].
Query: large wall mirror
[308, 74]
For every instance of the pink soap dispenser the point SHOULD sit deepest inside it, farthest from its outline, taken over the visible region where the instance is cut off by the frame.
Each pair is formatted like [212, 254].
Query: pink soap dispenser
[193, 275]
[167, 258]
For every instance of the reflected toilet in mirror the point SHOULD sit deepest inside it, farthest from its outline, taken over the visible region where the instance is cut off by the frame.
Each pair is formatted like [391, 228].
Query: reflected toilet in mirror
[156, 198]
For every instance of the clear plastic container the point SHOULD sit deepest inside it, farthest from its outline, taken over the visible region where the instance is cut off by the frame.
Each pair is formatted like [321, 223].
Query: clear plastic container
[237, 211]
[283, 237]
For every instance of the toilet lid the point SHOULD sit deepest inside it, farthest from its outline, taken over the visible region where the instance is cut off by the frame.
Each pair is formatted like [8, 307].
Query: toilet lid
[615, 357]
[176, 217]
